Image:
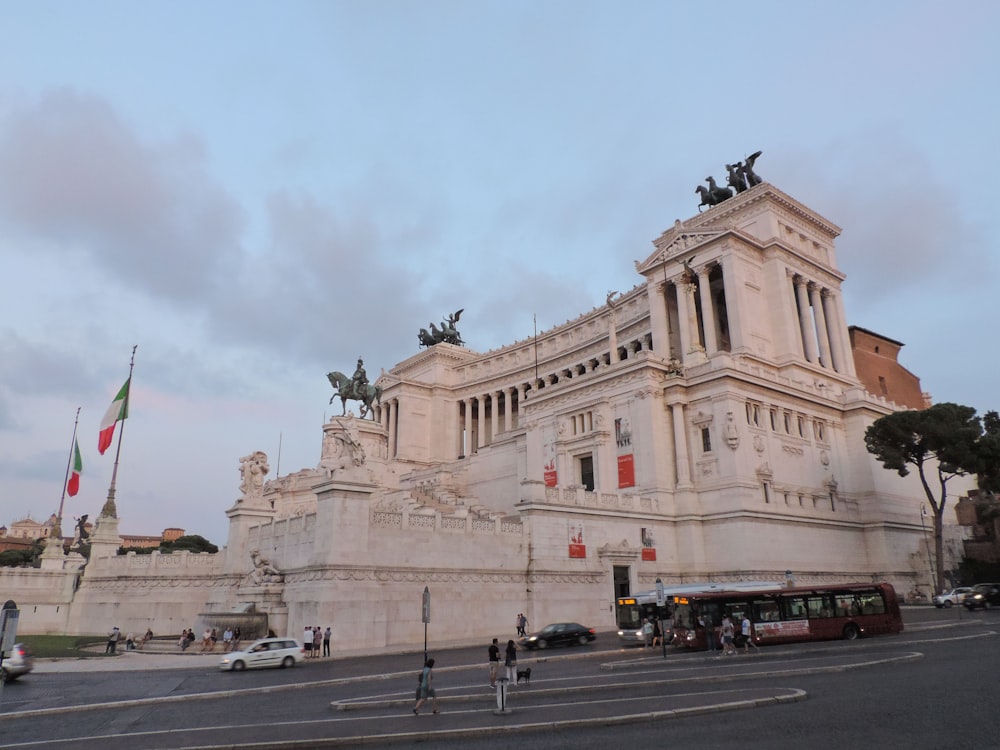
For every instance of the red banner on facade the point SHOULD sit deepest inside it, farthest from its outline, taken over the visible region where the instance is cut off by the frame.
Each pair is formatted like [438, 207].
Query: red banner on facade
[626, 471]
[578, 550]
[649, 554]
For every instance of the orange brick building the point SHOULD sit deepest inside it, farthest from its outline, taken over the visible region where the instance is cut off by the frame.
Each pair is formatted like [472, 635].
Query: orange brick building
[875, 359]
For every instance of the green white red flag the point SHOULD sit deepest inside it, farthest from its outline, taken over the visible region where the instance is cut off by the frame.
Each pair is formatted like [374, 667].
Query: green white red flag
[73, 486]
[115, 413]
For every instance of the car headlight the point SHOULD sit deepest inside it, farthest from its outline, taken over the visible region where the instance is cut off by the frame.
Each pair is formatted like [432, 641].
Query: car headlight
[533, 638]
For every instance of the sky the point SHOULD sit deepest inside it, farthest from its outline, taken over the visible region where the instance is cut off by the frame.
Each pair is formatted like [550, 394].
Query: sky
[257, 193]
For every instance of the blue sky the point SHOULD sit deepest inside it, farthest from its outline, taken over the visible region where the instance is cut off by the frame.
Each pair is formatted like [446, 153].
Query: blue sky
[257, 193]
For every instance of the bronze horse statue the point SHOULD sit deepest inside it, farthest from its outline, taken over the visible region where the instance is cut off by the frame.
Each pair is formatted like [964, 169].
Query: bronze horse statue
[369, 396]
[713, 194]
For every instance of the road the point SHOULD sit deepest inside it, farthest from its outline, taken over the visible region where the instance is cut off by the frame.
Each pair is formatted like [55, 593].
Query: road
[933, 686]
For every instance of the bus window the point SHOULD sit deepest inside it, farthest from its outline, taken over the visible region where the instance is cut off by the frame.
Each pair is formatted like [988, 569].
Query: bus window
[846, 605]
[766, 610]
[871, 603]
[793, 607]
[819, 606]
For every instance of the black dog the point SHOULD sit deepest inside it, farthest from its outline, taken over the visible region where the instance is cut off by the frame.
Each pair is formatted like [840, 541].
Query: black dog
[524, 674]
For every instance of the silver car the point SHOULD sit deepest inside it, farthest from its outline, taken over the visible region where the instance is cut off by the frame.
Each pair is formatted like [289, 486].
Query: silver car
[951, 598]
[267, 652]
[18, 662]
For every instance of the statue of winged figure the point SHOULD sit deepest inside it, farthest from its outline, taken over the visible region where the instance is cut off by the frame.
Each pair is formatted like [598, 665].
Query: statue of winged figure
[447, 333]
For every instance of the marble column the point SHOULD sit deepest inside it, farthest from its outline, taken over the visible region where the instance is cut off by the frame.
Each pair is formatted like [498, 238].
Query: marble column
[824, 336]
[494, 415]
[734, 304]
[659, 323]
[681, 446]
[836, 341]
[457, 417]
[470, 446]
[508, 402]
[707, 311]
[685, 300]
[806, 327]
[480, 423]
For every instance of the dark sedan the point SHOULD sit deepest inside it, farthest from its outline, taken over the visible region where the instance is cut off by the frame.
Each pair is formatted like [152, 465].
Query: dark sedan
[984, 595]
[560, 634]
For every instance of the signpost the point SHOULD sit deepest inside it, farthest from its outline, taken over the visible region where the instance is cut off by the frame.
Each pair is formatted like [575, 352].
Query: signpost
[659, 614]
[425, 615]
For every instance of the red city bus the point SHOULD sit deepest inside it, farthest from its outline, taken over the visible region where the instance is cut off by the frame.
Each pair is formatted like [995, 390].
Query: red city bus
[820, 613]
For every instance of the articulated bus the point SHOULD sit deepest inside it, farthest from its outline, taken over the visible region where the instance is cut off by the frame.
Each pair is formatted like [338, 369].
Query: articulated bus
[787, 615]
[632, 610]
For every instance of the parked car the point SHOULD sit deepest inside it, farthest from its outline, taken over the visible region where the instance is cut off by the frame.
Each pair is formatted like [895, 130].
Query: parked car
[984, 596]
[560, 634]
[18, 662]
[951, 598]
[266, 652]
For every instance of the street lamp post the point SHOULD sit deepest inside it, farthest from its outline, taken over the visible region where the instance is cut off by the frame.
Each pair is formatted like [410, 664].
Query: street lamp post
[660, 600]
[425, 615]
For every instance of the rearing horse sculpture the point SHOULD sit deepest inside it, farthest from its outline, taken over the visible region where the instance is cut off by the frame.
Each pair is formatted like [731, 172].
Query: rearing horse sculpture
[369, 396]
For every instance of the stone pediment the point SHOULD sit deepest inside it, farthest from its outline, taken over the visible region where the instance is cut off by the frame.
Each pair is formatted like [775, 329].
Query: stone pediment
[677, 241]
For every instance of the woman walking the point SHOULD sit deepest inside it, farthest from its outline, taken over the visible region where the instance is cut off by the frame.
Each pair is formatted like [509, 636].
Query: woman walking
[426, 689]
[510, 661]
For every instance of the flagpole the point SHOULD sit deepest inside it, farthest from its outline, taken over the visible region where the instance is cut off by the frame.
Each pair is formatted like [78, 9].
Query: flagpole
[57, 531]
[109, 509]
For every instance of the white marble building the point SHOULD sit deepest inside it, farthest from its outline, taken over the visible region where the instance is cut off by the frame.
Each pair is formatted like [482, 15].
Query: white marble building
[705, 425]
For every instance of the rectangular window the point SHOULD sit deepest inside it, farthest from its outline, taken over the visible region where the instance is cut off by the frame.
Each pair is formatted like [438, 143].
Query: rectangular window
[706, 440]
[774, 420]
[767, 492]
[586, 466]
[766, 610]
[794, 607]
[801, 423]
[788, 423]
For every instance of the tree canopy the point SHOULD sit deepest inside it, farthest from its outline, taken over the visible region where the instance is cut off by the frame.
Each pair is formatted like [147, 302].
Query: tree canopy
[943, 439]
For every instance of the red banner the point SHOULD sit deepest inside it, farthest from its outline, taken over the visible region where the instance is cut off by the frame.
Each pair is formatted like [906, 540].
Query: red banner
[578, 550]
[649, 554]
[626, 471]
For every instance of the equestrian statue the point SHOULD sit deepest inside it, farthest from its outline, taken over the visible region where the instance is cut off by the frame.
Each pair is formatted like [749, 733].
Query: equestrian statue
[356, 388]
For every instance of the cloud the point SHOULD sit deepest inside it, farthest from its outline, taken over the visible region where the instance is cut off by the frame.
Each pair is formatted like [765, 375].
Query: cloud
[72, 172]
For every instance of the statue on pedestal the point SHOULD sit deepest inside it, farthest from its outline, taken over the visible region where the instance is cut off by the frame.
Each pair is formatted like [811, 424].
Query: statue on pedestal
[253, 468]
[263, 572]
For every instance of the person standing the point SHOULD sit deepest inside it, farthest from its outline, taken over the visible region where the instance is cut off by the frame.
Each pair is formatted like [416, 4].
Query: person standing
[236, 638]
[113, 637]
[647, 633]
[494, 662]
[510, 661]
[326, 640]
[317, 641]
[746, 630]
[727, 636]
[227, 640]
[426, 688]
[307, 641]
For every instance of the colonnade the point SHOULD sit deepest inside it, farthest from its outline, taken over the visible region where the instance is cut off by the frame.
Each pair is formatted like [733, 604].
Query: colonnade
[821, 325]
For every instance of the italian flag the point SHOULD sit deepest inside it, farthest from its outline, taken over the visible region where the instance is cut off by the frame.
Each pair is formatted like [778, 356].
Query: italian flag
[115, 413]
[74, 479]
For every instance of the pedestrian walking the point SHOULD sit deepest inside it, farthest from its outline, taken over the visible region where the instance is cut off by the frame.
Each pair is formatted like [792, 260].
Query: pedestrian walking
[494, 662]
[727, 637]
[647, 633]
[746, 630]
[113, 637]
[425, 688]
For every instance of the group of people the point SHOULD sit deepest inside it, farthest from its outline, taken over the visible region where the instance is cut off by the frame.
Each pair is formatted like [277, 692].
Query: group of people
[731, 638]
[651, 633]
[510, 662]
[521, 623]
[315, 640]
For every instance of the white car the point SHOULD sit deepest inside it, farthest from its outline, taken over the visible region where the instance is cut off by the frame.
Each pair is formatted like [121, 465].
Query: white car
[267, 652]
[953, 597]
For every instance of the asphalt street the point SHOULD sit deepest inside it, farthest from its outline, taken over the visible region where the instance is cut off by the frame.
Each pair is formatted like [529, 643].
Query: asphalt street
[140, 700]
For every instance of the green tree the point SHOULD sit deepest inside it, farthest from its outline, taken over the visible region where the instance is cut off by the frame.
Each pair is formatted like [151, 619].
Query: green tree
[191, 543]
[941, 441]
[989, 453]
